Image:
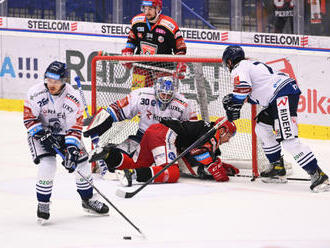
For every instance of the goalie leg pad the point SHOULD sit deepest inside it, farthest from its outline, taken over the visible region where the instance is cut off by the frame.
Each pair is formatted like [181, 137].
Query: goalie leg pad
[171, 175]
[101, 122]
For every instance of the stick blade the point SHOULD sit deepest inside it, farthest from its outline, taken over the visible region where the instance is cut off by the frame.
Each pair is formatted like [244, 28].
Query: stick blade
[123, 194]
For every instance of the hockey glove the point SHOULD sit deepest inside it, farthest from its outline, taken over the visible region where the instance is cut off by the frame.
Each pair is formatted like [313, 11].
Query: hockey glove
[181, 69]
[232, 109]
[127, 52]
[71, 158]
[102, 122]
[230, 169]
[47, 140]
[218, 171]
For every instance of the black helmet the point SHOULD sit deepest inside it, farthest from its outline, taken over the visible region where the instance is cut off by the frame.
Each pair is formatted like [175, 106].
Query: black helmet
[234, 53]
[57, 70]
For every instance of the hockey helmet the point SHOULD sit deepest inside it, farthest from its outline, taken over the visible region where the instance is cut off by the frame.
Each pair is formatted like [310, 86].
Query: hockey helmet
[227, 129]
[164, 90]
[152, 3]
[57, 71]
[235, 54]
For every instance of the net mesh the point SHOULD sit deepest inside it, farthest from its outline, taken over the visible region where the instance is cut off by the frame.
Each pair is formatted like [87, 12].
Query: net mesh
[205, 84]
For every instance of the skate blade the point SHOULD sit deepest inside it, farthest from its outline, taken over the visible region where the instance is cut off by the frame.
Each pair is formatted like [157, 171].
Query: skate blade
[90, 211]
[42, 222]
[324, 187]
[281, 180]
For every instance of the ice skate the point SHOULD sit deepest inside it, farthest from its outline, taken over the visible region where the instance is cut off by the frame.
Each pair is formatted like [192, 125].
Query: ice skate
[320, 182]
[126, 177]
[275, 174]
[95, 207]
[43, 212]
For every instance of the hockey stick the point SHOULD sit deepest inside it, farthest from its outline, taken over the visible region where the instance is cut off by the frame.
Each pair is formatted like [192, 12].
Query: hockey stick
[288, 178]
[125, 194]
[95, 138]
[104, 197]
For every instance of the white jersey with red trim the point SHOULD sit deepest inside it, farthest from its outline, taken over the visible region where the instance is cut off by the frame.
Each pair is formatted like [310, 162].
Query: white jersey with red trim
[143, 102]
[258, 81]
[62, 114]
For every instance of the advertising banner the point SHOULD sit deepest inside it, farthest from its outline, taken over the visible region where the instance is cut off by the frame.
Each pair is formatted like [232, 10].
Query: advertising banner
[29, 45]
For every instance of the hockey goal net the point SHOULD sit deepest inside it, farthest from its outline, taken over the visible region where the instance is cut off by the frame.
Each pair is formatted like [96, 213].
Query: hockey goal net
[206, 82]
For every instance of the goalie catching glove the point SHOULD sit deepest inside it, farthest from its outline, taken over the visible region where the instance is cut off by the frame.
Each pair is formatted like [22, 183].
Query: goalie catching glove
[101, 122]
[232, 108]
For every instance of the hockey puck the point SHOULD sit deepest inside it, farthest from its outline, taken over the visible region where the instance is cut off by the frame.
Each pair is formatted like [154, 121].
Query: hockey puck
[127, 237]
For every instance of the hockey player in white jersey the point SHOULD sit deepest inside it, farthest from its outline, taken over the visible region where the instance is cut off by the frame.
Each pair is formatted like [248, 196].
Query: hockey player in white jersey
[152, 104]
[53, 117]
[278, 94]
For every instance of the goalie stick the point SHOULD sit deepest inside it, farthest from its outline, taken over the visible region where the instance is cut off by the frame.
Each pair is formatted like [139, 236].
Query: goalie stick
[95, 139]
[201, 139]
[101, 194]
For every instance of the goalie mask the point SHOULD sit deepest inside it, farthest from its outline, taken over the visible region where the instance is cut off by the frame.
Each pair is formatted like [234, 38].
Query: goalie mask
[164, 91]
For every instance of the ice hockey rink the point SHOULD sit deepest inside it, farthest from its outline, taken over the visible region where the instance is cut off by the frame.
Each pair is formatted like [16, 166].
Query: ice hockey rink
[191, 213]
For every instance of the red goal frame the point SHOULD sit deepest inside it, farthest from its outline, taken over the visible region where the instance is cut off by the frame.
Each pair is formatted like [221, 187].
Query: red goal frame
[186, 59]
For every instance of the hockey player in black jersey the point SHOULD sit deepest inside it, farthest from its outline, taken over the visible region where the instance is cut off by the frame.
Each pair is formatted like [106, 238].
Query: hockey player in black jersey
[161, 144]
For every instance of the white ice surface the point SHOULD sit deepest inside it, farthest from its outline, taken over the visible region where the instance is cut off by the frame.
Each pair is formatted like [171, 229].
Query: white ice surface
[191, 213]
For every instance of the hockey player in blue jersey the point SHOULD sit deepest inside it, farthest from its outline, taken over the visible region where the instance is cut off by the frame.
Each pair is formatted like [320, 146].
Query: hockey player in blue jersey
[278, 94]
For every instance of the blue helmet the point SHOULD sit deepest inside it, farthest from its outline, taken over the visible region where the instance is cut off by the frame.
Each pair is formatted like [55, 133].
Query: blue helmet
[234, 53]
[57, 70]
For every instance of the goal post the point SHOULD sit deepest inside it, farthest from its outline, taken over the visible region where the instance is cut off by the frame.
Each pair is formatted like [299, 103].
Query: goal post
[206, 82]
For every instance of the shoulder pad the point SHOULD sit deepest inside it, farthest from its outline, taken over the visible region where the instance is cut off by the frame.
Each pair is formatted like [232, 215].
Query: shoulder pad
[138, 18]
[169, 23]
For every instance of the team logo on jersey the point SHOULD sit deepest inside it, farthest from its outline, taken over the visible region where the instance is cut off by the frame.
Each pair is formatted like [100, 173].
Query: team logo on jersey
[171, 155]
[140, 29]
[55, 125]
[160, 39]
[148, 48]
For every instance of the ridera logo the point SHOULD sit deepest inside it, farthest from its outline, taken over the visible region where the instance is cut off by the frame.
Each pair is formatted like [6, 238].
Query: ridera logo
[314, 103]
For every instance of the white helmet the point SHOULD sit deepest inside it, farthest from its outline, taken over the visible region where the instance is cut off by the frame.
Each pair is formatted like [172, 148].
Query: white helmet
[164, 91]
